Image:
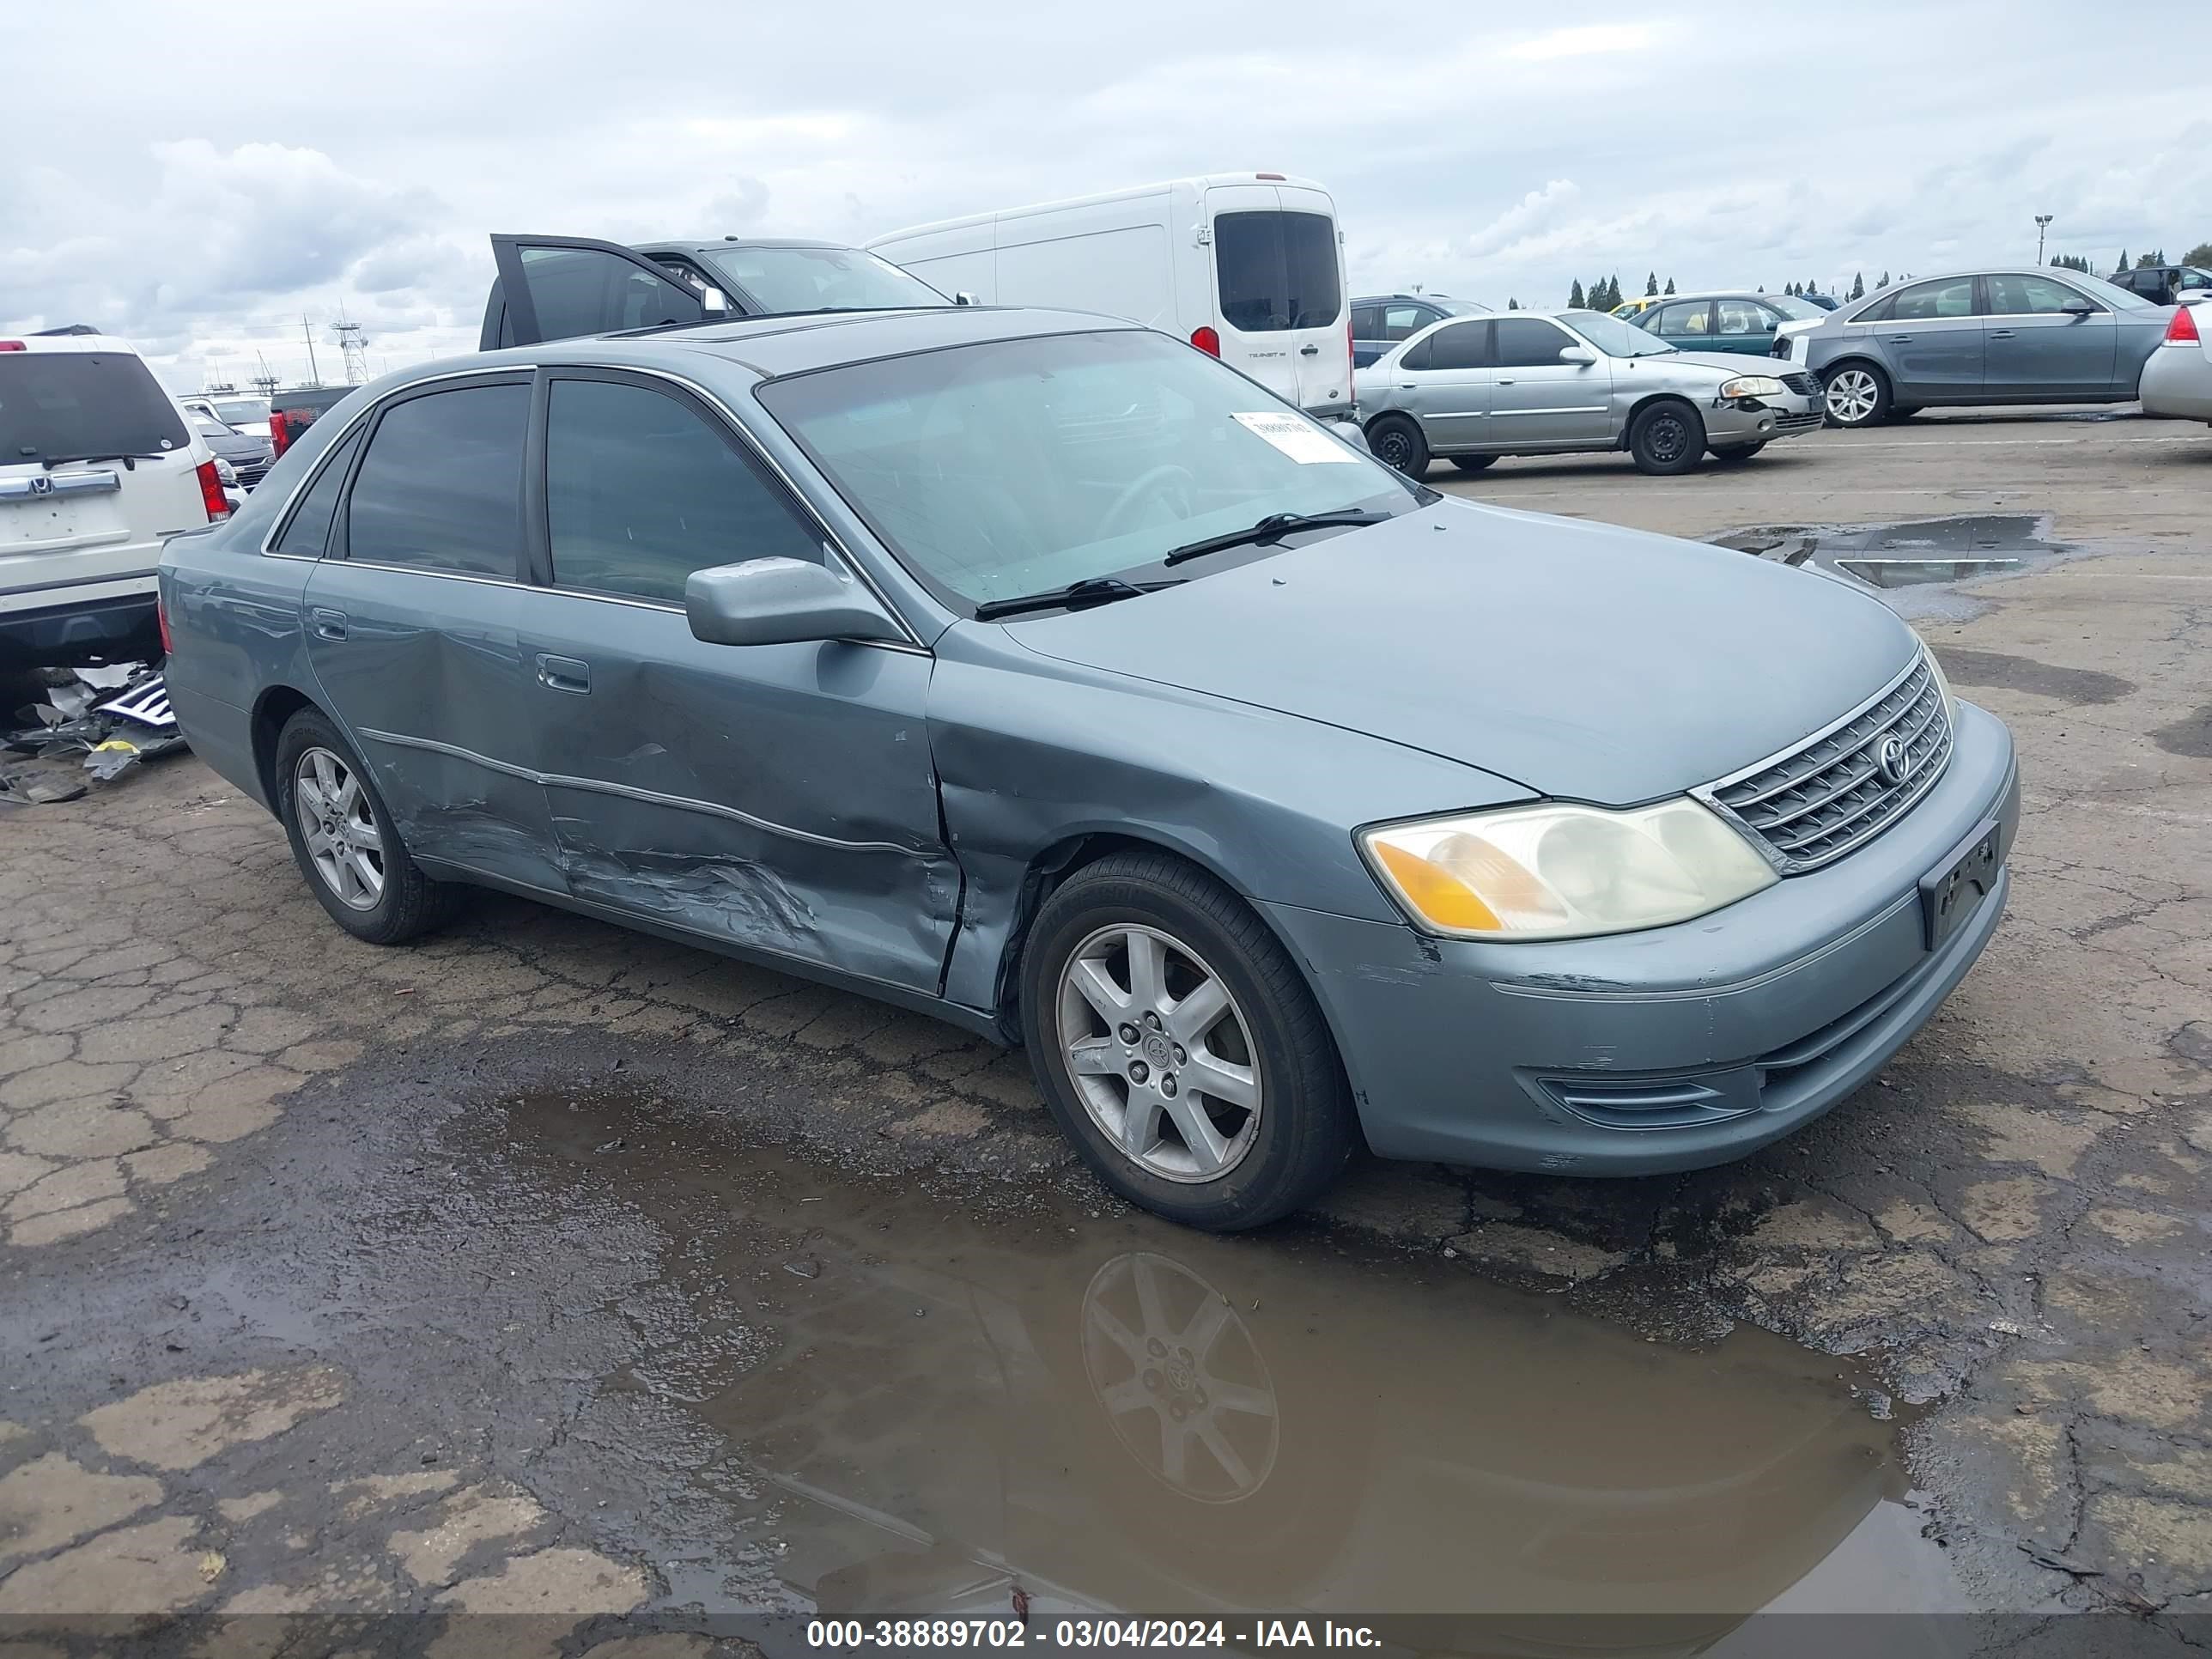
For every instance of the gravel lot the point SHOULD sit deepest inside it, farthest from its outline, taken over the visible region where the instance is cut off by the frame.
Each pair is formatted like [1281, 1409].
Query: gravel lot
[287, 1325]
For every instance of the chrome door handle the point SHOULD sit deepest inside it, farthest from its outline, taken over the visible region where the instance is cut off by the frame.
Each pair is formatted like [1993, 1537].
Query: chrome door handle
[1309, 351]
[328, 624]
[1505, 383]
[1898, 339]
[2002, 334]
[564, 673]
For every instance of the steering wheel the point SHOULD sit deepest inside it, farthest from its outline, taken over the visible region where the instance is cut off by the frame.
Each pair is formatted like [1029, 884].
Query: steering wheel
[1156, 481]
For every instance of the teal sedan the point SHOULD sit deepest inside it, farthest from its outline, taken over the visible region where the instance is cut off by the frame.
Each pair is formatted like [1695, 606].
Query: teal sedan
[1726, 322]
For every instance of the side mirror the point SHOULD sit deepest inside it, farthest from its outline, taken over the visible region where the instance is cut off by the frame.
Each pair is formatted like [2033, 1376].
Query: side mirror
[1581, 356]
[2078, 307]
[782, 602]
[962, 297]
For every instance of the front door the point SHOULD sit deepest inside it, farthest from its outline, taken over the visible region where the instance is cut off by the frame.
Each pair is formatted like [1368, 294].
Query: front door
[1541, 402]
[1445, 379]
[559, 288]
[1684, 324]
[2037, 348]
[1931, 336]
[780, 798]
[410, 625]
[1743, 326]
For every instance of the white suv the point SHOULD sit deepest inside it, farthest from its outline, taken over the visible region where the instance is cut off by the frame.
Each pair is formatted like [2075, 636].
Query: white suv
[98, 467]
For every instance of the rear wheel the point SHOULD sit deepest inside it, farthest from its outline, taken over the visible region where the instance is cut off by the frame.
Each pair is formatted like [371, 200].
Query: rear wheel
[1666, 438]
[1398, 441]
[1855, 394]
[1740, 452]
[1472, 463]
[344, 841]
[1179, 1048]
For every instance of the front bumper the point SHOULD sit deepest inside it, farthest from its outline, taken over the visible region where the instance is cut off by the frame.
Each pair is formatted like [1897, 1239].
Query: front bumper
[1754, 420]
[1671, 1048]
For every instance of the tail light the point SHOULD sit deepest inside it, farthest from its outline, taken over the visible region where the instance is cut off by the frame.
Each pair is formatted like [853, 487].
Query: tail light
[161, 621]
[280, 433]
[2182, 331]
[1206, 340]
[211, 496]
[1351, 352]
[13, 345]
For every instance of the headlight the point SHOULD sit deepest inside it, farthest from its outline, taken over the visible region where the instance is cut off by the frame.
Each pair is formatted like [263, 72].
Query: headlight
[1559, 871]
[225, 471]
[1753, 386]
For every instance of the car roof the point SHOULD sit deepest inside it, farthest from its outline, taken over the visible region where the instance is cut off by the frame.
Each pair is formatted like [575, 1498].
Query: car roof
[73, 339]
[792, 344]
[724, 244]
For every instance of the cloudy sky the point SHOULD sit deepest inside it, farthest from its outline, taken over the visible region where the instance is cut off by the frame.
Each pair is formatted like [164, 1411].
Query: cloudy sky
[212, 175]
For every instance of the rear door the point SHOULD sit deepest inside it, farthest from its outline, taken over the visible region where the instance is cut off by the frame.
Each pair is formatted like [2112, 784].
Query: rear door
[1445, 379]
[1686, 325]
[1279, 291]
[411, 627]
[2036, 347]
[96, 469]
[559, 288]
[1930, 336]
[1744, 326]
[1541, 402]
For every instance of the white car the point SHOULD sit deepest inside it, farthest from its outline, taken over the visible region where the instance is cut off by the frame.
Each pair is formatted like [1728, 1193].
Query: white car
[2177, 379]
[239, 411]
[98, 465]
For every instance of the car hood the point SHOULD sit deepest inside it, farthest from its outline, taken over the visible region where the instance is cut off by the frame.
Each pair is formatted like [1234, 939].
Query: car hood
[1726, 365]
[1578, 661]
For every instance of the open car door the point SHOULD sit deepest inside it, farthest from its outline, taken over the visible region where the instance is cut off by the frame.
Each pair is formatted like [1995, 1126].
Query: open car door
[557, 288]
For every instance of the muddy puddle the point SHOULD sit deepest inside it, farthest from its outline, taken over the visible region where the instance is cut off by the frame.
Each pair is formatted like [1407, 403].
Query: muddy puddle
[1916, 553]
[916, 1403]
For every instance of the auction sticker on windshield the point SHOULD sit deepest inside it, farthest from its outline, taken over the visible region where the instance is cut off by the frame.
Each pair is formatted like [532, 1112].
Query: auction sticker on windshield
[1295, 437]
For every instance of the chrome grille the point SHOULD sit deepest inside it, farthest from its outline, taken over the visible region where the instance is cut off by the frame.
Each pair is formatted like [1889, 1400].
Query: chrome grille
[1805, 385]
[1814, 804]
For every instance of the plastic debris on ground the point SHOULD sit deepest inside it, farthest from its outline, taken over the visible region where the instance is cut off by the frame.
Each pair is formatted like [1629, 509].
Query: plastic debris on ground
[114, 716]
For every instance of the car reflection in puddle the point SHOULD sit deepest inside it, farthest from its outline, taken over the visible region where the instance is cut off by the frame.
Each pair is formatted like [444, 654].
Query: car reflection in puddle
[958, 1413]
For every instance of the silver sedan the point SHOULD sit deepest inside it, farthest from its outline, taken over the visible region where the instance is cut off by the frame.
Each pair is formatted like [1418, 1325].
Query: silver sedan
[2177, 381]
[1469, 390]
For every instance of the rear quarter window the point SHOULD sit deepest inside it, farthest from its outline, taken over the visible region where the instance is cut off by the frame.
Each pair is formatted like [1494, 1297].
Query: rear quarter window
[61, 406]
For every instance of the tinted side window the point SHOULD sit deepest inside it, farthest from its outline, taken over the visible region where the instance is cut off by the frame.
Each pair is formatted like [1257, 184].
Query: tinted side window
[1278, 271]
[2029, 296]
[1692, 317]
[1949, 296]
[1461, 345]
[441, 488]
[308, 534]
[1416, 357]
[583, 291]
[1879, 311]
[1742, 317]
[1367, 322]
[1403, 322]
[1529, 342]
[640, 492]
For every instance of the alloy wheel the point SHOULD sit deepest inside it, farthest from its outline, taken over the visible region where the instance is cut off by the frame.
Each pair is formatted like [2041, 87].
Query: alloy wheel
[1851, 396]
[339, 827]
[1160, 1053]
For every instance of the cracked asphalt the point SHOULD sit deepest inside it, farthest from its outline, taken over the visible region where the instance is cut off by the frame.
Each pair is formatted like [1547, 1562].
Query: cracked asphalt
[257, 1290]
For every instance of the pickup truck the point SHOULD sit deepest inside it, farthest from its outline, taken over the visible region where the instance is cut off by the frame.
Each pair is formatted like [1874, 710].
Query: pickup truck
[557, 288]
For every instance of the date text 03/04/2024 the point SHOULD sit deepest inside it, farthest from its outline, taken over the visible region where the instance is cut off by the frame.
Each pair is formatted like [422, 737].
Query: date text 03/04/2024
[1087, 1633]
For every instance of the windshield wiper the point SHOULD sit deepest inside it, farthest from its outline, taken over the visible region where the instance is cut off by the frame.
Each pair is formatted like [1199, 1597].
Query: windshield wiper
[1273, 528]
[126, 456]
[1076, 596]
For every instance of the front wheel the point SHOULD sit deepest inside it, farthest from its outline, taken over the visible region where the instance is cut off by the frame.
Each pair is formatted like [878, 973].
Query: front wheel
[1179, 1048]
[1397, 441]
[1667, 438]
[1857, 394]
[1740, 452]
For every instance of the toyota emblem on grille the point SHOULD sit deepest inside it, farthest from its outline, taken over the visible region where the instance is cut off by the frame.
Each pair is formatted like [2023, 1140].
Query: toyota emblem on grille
[1895, 762]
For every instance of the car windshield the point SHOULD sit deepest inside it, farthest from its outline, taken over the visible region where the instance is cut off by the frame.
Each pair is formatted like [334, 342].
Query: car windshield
[1612, 336]
[55, 404]
[1463, 307]
[820, 279]
[212, 428]
[239, 411]
[1790, 306]
[1017, 466]
[2119, 298]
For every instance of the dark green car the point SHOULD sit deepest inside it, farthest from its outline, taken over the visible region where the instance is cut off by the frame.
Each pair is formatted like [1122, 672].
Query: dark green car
[1725, 322]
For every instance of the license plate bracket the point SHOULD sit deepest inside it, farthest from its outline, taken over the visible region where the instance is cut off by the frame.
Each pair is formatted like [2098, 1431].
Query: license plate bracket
[1954, 890]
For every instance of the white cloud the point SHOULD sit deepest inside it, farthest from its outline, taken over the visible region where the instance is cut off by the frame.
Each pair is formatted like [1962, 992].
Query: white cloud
[1586, 41]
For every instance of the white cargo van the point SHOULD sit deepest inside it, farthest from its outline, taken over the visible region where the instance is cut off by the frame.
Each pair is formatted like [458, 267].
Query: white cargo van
[98, 467]
[1248, 266]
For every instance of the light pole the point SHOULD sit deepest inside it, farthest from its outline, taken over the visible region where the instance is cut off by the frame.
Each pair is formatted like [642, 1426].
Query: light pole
[2041, 221]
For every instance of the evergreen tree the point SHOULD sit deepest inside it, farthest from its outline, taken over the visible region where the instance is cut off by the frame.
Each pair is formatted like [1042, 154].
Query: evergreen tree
[1790, 289]
[1575, 298]
[1512, 305]
[1652, 285]
[2149, 261]
[2200, 255]
[2124, 264]
[1883, 283]
[1670, 285]
[1858, 285]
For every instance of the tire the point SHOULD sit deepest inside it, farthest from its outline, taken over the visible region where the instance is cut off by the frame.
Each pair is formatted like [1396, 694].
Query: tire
[1738, 453]
[1903, 411]
[1282, 1128]
[375, 893]
[1854, 394]
[1472, 463]
[1666, 437]
[1397, 441]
